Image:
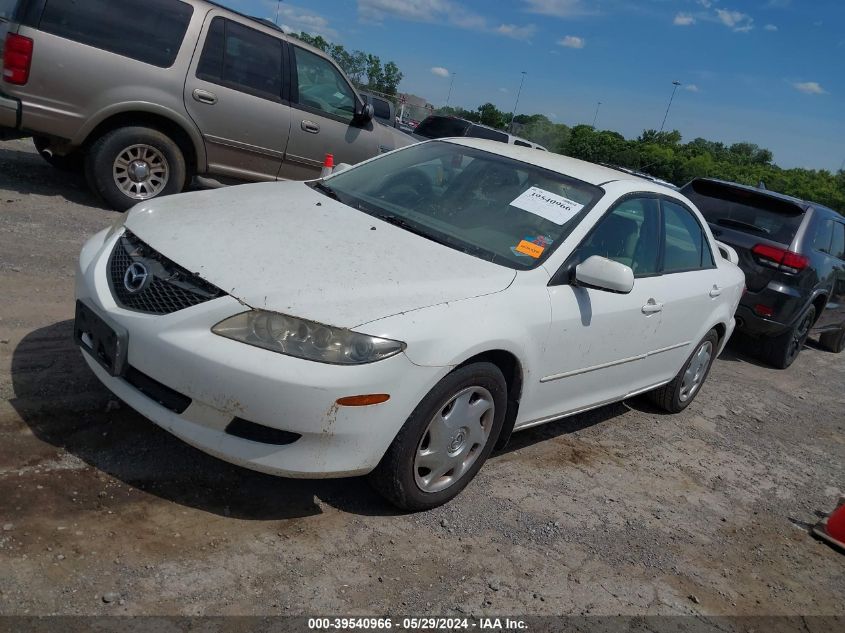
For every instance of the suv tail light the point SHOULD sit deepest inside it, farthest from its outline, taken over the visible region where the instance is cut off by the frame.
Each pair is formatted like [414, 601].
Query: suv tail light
[780, 258]
[17, 58]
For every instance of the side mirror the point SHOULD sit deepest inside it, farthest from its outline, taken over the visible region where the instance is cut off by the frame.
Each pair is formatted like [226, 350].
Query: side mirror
[605, 274]
[366, 113]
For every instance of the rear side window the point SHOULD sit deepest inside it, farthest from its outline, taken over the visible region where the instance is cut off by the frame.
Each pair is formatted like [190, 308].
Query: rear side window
[7, 8]
[824, 236]
[476, 131]
[838, 247]
[150, 31]
[746, 211]
[243, 59]
[521, 143]
[686, 245]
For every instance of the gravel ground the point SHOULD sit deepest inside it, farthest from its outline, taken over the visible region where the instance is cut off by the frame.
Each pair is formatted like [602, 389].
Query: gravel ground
[620, 511]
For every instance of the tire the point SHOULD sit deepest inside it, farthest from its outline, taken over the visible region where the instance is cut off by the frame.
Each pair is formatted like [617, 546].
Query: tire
[677, 395]
[781, 351]
[404, 477]
[833, 341]
[73, 162]
[157, 164]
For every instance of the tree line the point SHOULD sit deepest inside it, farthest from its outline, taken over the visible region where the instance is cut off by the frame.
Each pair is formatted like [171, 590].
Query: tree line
[660, 154]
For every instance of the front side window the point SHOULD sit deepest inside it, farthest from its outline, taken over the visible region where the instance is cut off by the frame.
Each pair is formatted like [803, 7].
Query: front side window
[838, 247]
[481, 203]
[322, 87]
[629, 235]
[243, 59]
[686, 246]
[149, 31]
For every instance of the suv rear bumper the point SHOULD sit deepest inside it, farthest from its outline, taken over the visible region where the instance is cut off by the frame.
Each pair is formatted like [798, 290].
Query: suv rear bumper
[786, 303]
[10, 118]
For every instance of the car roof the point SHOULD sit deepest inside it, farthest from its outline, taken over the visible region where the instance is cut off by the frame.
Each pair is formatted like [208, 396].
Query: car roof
[574, 167]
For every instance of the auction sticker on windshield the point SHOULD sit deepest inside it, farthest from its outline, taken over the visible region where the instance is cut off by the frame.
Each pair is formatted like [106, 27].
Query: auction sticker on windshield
[547, 205]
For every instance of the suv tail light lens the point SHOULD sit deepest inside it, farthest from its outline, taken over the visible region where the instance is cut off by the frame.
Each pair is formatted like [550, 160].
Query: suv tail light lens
[17, 58]
[780, 258]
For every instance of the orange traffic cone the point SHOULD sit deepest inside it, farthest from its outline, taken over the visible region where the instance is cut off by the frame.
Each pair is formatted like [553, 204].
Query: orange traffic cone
[328, 166]
[832, 528]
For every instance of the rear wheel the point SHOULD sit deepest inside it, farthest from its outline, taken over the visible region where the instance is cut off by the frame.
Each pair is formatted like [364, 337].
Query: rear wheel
[781, 351]
[445, 441]
[677, 395]
[133, 164]
[833, 341]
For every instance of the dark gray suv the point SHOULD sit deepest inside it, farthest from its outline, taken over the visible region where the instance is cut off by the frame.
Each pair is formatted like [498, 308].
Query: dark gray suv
[148, 93]
[793, 255]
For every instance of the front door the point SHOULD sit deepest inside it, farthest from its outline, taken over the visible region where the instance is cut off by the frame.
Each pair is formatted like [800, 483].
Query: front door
[599, 341]
[323, 111]
[235, 93]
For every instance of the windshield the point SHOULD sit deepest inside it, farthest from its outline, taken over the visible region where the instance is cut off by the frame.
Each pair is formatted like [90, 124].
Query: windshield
[746, 211]
[441, 127]
[481, 203]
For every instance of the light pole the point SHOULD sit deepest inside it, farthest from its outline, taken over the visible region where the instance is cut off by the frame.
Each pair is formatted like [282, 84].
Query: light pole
[278, 6]
[515, 105]
[675, 85]
[596, 117]
[449, 96]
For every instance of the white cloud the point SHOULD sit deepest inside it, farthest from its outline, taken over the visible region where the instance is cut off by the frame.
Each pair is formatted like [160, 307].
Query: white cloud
[770, 27]
[736, 20]
[449, 12]
[572, 41]
[705, 3]
[294, 19]
[440, 71]
[504, 90]
[557, 8]
[692, 88]
[683, 19]
[809, 87]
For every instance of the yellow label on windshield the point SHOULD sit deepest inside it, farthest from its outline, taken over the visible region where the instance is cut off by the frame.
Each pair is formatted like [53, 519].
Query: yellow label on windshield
[530, 249]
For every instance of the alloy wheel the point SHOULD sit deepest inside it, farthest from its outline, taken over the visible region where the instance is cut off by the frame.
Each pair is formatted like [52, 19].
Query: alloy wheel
[141, 172]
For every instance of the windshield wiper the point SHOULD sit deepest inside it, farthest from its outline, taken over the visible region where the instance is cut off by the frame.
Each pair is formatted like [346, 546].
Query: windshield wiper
[738, 224]
[320, 185]
[402, 223]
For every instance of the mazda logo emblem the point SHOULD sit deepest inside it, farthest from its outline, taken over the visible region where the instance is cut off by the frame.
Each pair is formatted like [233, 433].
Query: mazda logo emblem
[135, 277]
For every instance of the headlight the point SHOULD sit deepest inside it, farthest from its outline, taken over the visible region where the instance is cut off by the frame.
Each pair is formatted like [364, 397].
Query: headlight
[306, 339]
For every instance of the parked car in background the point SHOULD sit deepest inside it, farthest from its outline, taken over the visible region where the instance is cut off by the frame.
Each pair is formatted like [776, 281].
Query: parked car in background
[438, 126]
[148, 93]
[383, 109]
[793, 255]
[443, 296]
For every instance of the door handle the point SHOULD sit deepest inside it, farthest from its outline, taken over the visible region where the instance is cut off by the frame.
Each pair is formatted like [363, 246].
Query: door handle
[652, 306]
[204, 96]
[715, 291]
[310, 127]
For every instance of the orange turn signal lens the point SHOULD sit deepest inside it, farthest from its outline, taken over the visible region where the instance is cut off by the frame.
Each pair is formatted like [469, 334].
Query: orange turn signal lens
[363, 401]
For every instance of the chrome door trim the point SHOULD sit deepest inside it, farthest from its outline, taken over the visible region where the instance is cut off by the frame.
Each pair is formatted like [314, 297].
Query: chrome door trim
[631, 359]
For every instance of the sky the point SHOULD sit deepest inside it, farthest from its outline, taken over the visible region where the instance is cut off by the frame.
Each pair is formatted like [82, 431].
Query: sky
[770, 72]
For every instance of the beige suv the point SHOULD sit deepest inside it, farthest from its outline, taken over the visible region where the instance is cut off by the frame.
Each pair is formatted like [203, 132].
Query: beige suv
[147, 94]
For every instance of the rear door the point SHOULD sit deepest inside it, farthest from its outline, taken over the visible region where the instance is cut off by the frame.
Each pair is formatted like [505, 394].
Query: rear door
[237, 93]
[830, 242]
[323, 119]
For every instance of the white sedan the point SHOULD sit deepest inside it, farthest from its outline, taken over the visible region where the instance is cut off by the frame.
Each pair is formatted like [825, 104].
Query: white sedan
[403, 317]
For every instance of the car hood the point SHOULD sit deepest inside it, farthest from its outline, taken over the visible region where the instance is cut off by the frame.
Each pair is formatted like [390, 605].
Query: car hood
[287, 248]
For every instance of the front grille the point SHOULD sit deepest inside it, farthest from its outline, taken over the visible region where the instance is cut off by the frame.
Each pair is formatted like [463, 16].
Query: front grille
[168, 287]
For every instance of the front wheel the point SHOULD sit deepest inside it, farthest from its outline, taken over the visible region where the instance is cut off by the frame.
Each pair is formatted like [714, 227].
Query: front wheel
[133, 164]
[446, 439]
[677, 395]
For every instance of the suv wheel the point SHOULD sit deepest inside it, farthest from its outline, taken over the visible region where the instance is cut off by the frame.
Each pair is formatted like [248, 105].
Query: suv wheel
[677, 395]
[132, 164]
[445, 441]
[781, 351]
[833, 341]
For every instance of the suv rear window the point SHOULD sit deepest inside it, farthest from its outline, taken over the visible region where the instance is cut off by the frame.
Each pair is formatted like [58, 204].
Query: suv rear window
[477, 131]
[150, 31]
[441, 127]
[746, 211]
